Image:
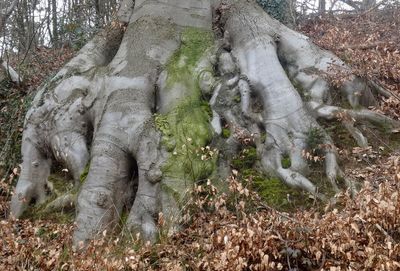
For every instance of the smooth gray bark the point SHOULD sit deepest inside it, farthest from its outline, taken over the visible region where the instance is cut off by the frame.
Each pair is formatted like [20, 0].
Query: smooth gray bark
[100, 107]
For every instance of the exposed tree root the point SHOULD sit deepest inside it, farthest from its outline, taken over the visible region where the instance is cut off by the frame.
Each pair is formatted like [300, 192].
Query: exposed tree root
[263, 49]
[101, 107]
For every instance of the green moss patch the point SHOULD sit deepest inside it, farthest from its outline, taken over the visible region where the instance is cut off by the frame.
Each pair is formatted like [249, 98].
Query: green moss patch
[186, 128]
[276, 193]
[194, 44]
[226, 133]
[85, 173]
[61, 185]
[246, 159]
[271, 190]
[286, 162]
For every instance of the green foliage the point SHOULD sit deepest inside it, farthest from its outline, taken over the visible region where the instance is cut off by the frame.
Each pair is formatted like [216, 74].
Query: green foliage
[226, 133]
[286, 162]
[84, 174]
[237, 99]
[315, 138]
[245, 159]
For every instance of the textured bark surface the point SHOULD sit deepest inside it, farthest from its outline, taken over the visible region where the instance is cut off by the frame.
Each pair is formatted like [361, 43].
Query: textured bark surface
[133, 105]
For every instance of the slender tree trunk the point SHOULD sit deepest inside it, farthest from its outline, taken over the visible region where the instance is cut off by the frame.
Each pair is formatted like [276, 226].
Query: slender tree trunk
[98, 13]
[368, 4]
[48, 21]
[321, 6]
[56, 41]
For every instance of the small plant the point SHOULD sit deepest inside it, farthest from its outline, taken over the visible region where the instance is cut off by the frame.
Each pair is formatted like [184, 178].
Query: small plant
[315, 138]
[237, 99]
[245, 159]
[286, 162]
[226, 133]
[162, 124]
[84, 174]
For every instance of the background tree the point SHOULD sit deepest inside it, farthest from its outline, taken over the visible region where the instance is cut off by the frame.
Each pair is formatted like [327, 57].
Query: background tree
[6, 69]
[29, 45]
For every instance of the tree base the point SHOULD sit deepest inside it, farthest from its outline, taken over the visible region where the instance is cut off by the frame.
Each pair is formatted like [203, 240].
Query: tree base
[135, 108]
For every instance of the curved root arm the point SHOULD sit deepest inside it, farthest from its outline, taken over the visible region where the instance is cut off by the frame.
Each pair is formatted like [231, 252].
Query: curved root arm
[56, 126]
[256, 44]
[32, 181]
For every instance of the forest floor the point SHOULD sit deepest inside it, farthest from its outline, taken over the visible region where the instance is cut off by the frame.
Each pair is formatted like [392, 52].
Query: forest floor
[239, 230]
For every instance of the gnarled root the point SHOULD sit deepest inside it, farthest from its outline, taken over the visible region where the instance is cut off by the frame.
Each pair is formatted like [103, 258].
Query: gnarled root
[263, 49]
[102, 102]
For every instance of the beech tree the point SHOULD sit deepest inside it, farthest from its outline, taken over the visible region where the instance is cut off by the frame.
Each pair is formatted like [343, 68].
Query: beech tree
[146, 105]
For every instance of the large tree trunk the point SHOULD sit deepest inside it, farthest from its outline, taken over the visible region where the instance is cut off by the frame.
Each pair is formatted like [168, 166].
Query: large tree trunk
[133, 103]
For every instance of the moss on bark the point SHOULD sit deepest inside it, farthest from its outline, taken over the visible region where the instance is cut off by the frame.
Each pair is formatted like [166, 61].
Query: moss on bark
[186, 127]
